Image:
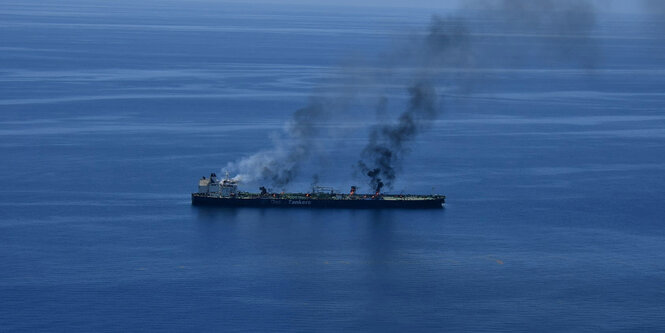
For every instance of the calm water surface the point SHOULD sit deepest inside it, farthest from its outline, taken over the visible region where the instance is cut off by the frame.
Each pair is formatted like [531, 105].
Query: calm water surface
[555, 178]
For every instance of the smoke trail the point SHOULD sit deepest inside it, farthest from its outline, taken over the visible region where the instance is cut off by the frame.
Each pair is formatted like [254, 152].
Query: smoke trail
[566, 17]
[656, 7]
[567, 24]
[386, 145]
[655, 10]
[446, 43]
[556, 29]
[280, 164]
[563, 28]
[290, 149]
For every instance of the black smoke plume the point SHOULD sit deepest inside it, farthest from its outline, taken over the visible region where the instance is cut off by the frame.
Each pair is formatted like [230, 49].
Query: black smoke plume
[447, 43]
[561, 28]
[388, 143]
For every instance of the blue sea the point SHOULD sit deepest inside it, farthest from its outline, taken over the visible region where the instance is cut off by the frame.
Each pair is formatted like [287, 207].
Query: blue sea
[110, 111]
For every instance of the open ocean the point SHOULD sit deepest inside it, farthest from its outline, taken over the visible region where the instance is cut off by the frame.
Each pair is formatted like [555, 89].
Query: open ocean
[110, 111]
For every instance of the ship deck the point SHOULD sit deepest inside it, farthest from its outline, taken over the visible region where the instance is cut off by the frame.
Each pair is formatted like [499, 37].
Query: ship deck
[319, 201]
[316, 197]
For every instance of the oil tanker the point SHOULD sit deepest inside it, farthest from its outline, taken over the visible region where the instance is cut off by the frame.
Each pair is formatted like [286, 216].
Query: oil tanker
[225, 193]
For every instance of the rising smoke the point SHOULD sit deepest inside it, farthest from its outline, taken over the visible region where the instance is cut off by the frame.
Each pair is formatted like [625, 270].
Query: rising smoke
[387, 143]
[563, 26]
[555, 30]
[447, 43]
[656, 10]
[656, 7]
[280, 164]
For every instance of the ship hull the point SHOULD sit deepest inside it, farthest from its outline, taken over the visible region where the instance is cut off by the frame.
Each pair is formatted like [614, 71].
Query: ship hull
[201, 200]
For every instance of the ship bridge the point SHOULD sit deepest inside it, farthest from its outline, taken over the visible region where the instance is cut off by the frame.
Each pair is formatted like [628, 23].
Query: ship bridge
[225, 188]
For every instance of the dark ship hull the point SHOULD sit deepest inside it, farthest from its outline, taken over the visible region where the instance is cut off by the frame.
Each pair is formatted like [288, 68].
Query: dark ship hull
[200, 199]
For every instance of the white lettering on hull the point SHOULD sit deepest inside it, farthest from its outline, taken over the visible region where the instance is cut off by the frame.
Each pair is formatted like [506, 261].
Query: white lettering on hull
[300, 202]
